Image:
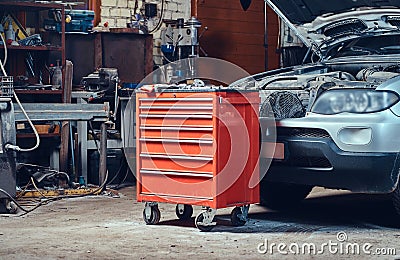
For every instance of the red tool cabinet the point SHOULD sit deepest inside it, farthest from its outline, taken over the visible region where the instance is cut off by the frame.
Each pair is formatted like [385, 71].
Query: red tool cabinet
[197, 148]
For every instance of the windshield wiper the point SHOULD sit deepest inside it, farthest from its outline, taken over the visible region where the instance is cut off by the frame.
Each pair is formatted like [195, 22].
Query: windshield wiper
[393, 47]
[364, 49]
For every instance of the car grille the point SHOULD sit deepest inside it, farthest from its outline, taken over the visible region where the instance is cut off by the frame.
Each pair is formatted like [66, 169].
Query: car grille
[302, 132]
[313, 162]
[394, 20]
[302, 161]
[343, 27]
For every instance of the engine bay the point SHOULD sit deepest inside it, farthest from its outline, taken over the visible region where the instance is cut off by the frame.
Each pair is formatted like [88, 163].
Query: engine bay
[292, 94]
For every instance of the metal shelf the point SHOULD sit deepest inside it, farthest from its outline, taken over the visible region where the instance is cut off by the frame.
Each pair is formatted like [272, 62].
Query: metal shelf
[23, 135]
[111, 144]
[29, 6]
[33, 48]
[38, 91]
[16, 64]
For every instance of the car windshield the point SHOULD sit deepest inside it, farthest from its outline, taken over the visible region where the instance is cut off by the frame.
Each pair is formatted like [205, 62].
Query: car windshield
[371, 45]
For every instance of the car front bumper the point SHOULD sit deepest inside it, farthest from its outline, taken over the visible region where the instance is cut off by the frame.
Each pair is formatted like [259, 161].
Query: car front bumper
[321, 163]
[316, 152]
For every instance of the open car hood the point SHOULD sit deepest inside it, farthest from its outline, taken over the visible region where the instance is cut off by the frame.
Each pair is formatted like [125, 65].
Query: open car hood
[323, 23]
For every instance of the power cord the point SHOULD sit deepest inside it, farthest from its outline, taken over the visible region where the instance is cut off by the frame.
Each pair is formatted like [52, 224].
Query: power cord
[47, 200]
[17, 148]
[5, 47]
[158, 26]
[10, 146]
[120, 168]
[5, 56]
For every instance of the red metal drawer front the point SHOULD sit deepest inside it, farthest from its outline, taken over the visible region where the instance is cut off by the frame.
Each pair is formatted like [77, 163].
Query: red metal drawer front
[181, 121]
[202, 147]
[175, 132]
[194, 100]
[177, 109]
[175, 164]
[183, 186]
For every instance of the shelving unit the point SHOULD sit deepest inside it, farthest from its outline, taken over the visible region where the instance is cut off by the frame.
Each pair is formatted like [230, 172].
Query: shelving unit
[37, 88]
[16, 66]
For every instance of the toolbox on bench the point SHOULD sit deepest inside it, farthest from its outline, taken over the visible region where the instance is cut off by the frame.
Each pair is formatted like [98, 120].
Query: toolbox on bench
[80, 21]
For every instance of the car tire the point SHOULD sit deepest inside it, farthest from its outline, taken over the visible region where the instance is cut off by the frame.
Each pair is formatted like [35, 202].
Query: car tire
[396, 198]
[282, 196]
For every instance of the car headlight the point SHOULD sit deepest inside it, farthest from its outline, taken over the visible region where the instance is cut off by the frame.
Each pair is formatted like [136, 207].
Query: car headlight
[353, 101]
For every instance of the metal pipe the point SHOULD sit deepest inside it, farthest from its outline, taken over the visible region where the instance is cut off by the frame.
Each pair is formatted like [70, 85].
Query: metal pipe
[72, 151]
[194, 8]
[76, 153]
[103, 154]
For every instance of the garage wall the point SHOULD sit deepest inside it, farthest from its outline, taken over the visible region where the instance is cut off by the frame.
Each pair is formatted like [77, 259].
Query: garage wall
[238, 36]
[118, 13]
[234, 35]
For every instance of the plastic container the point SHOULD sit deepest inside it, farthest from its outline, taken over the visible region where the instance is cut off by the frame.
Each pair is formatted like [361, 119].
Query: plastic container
[56, 79]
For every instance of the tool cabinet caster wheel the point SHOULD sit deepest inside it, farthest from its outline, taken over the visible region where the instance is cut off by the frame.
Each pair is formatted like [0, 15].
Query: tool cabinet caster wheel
[236, 217]
[12, 208]
[151, 215]
[9, 205]
[199, 221]
[204, 220]
[183, 211]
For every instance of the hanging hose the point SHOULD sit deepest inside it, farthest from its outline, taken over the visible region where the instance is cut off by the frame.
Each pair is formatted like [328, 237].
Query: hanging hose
[17, 148]
[159, 21]
[10, 146]
[5, 54]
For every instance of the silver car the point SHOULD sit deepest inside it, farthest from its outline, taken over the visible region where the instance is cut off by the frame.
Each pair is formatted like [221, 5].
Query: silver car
[338, 116]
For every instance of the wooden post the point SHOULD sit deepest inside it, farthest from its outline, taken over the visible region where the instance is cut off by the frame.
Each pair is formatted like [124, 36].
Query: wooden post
[64, 147]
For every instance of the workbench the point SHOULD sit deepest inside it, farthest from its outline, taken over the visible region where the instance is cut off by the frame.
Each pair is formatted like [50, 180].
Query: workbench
[81, 113]
[85, 145]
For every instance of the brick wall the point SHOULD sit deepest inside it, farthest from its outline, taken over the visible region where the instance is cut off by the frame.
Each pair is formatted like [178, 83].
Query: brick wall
[118, 14]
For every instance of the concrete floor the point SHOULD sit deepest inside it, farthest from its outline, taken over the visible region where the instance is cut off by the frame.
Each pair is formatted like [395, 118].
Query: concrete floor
[103, 227]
